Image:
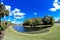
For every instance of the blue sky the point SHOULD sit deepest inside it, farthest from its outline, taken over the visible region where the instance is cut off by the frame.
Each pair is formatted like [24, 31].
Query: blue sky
[23, 9]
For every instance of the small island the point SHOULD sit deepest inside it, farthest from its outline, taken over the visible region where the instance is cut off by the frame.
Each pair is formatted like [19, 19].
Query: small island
[33, 22]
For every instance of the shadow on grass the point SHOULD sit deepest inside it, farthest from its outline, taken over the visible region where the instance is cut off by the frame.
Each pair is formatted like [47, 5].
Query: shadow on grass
[32, 30]
[37, 30]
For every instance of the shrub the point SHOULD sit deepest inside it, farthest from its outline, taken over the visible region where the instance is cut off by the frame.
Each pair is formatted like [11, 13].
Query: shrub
[48, 20]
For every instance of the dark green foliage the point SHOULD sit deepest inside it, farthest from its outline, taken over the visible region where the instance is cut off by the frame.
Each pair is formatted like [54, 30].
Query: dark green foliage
[52, 21]
[33, 22]
[3, 12]
[48, 20]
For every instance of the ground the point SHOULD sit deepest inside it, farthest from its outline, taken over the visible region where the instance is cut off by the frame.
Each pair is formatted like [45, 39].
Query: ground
[53, 34]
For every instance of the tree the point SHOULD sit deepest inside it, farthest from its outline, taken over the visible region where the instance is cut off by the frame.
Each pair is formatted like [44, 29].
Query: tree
[48, 20]
[52, 21]
[33, 22]
[3, 12]
[38, 21]
[28, 22]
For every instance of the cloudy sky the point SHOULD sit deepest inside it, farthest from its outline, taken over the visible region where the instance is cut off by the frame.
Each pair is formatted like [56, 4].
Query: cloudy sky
[20, 10]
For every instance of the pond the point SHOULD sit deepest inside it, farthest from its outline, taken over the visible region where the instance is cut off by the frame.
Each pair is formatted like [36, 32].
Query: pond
[19, 28]
[24, 29]
[28, 29]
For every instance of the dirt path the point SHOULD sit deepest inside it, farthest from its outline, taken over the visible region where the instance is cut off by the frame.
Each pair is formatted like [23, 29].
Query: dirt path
[1, 35]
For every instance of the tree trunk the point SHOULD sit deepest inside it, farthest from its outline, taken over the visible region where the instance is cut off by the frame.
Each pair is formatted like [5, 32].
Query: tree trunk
[1, 35]
[0, 25]
[0, 21]
[4, 18]
[1, 32]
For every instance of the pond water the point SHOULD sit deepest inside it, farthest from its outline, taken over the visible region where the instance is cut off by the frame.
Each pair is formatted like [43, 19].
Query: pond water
[27, 29]
[19, 28]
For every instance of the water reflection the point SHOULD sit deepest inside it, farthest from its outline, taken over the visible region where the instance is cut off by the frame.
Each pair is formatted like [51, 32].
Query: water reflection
[31, 30]
[19, 28]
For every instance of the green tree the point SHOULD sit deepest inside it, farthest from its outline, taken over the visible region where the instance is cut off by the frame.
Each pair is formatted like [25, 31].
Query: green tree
[52, 21]
[3, 12]
[48, 20]
[33, 22]
[28, 22]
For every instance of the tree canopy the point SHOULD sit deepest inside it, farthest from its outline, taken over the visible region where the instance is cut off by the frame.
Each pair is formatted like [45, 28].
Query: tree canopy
[33, 21]
[47, 20]
[3, 12]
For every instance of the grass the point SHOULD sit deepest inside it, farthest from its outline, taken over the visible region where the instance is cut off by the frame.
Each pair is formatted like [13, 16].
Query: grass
[37, 26]
[53, 34]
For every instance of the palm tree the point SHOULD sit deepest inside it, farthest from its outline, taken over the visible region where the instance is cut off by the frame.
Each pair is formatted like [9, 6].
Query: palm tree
[3, 12]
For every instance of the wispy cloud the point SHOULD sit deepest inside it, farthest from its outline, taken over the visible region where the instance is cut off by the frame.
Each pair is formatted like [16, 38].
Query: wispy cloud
[56, 6]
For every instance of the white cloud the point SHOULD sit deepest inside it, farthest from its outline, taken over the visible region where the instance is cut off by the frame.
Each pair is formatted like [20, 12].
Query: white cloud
[56, 6]
[56, 18]
[9, 19]
[13, 21]
[17, 13]
[8, 7]
[10, 14]
[18, 17]
[35, 13]
[53, 9]
[2, 3]
[16, 22]
[55, 0]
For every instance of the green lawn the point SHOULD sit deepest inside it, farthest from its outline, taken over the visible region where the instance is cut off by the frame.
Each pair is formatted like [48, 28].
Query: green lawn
[53, 34]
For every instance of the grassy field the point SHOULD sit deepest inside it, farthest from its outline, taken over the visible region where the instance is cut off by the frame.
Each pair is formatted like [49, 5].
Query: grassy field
[53, 34]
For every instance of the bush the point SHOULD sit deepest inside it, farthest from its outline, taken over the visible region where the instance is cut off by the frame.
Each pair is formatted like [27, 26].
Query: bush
[33, 21]
[3, 27]
[48, 20]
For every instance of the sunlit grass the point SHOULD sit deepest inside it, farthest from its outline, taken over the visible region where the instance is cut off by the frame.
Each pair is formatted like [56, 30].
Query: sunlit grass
[53, 34]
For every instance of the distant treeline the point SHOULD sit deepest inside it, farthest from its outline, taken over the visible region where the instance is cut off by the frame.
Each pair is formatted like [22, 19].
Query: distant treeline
[58, 21]
[47, 20]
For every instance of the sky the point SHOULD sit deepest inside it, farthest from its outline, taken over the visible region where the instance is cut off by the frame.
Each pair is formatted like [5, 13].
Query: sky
[20, 10]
